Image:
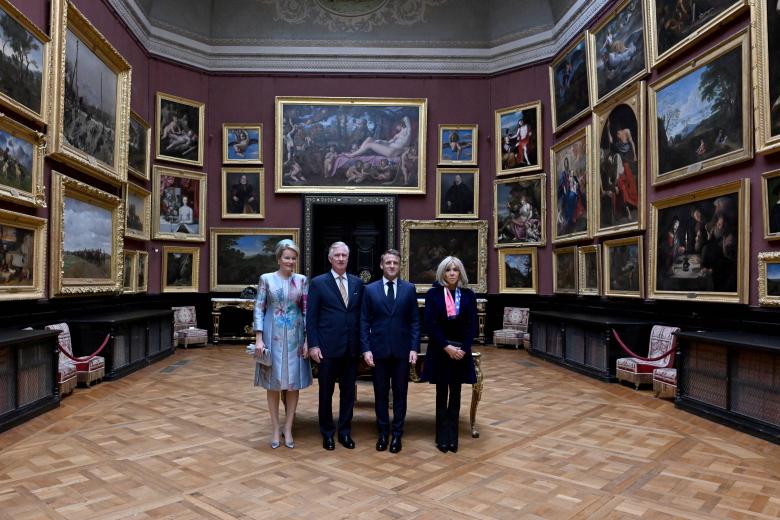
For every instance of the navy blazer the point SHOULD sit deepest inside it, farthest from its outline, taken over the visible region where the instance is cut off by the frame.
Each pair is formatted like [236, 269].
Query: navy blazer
[439, 367]
[390, 331]
[331, 326]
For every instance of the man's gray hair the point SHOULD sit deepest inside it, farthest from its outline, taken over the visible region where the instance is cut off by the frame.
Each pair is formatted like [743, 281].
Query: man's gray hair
[336, 245]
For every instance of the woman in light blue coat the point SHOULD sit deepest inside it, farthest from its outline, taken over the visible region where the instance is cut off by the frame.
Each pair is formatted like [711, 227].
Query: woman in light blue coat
[280, 325]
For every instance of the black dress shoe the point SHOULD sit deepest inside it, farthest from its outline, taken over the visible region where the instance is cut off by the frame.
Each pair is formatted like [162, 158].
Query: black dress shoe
[327, 442]
[346, 441]
[395, 444]
[381, 443]
[443, 448]
[453, 447]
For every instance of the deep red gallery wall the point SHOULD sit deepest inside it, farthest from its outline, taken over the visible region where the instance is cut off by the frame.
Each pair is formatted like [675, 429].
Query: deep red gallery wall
[249, 98]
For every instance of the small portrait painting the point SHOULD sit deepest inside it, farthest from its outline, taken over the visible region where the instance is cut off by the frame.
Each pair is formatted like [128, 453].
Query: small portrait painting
[623, 265]
[180, 269]
[457, 193]
[458, 144]
[179, 129]
[241, 144]
[565, 270]
[518, 138]
[517, 270]
[519, 211]
[241, 193]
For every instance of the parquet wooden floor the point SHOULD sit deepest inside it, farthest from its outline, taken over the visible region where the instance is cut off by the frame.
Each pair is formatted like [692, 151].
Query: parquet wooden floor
[188, 438]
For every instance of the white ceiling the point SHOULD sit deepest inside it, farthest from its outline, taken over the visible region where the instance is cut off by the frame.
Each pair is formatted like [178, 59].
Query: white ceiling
[407, 36]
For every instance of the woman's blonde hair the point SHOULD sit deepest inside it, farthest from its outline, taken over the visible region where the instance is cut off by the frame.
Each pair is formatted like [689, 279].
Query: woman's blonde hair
[285, 244]
[463, 279]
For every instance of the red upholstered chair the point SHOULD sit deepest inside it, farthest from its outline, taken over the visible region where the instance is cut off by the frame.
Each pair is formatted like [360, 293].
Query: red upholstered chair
[665, 382]
[87, 372]
[662, 339]
[515, 328]
[185, 331]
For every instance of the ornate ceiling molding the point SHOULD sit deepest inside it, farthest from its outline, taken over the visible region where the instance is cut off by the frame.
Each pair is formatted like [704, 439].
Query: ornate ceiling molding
[398, 60]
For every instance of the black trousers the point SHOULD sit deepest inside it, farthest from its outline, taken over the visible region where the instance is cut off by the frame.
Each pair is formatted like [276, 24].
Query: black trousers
[343, 370]
[391, 373]
[447, 413]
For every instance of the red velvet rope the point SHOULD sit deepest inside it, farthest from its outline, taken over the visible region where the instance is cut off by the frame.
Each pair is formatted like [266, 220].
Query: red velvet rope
[628, 350]
[84, 359]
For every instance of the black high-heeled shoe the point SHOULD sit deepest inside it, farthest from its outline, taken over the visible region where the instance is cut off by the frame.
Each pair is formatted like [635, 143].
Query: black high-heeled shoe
[443, 448]
[453, 447]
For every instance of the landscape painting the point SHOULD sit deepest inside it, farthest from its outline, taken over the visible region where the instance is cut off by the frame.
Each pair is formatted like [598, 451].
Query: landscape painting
[618, 50]
[519, 147]
[88, 240]
[702, 114]
[624, 267]
[518, 271]
[675, 24]
[240, 256]
[16, 161]
[179, 129]
[22, 256]
[335, 145]
[769, 279]
[519, 211]
[569, 85]
[23, 61]
[571, 191]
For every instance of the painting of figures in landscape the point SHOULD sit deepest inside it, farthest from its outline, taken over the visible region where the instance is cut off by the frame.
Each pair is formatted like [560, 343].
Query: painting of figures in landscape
[16, 162]
[179, 129]
[328, 146]
[22, 61]
[699, 117]
[88, 240]
[618, 48]
[520, 130]
[90, 115]
[570, 84]
[619, 192]
[570, 164]
[17, 245]
[519, 211]
[242, 257]
[676, 20]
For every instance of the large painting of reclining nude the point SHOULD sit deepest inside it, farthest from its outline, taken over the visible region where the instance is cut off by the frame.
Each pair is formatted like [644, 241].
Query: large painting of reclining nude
[337, 145]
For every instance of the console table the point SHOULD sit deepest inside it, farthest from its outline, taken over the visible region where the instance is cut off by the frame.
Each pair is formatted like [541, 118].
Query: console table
[583, 342]
[138, 338]
[28, 375]
[731, 377]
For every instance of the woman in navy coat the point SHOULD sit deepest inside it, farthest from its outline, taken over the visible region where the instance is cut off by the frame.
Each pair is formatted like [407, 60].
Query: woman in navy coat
[451, 322]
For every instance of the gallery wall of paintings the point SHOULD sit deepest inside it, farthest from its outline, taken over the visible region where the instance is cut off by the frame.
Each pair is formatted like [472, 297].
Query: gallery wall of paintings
[578, 172]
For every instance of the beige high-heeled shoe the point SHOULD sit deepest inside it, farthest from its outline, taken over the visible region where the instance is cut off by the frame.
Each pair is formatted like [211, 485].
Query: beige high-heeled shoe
[289, 444]
[274, 445]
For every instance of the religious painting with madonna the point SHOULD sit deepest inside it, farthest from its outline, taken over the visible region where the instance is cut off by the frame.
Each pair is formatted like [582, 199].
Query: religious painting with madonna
[519, 210]
[518, 138]
[338, 145]
[570, 190]
[699, 244]
[457, 193]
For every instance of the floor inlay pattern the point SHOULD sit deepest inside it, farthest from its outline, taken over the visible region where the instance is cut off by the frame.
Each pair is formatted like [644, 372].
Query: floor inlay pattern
[188, 438]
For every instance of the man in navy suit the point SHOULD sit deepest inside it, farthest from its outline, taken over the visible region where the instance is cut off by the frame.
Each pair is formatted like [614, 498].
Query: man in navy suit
[333, 336]
[390, 340]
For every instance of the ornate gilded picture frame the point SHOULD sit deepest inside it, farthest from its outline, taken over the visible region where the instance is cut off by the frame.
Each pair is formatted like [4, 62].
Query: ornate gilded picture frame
[457, 193]
[518, 138]
[765, 21]
[138, 212]
[129, 275]
[243, 193]
[89, 97]
[570, 85]
[570, 190]
[180, 269]
[24, 79]
[699, 244]
[619, 163]
[518, 271]
[691, 135]
[242, 144]
[87, 228]
[139, 148]
[180, 129]
[624, 267]
[589, 270]
[770, 202]
[519, 211]
[350, 145]
[240, 255]
[769, 279]
[142, 272]
[617, 50]
[23, 268]
[674, 25]
[458, 145]
[21, 164]
[179, 205]
[425, 243]
[564, 267]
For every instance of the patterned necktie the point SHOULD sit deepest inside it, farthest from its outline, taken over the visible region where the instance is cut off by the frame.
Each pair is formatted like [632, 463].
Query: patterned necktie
[390, 292]
[343, 291]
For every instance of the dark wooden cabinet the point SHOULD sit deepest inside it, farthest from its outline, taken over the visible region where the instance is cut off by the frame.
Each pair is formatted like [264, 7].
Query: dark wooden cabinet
[731, 377]
[138, 338]
[584, 342]
[28, 375]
